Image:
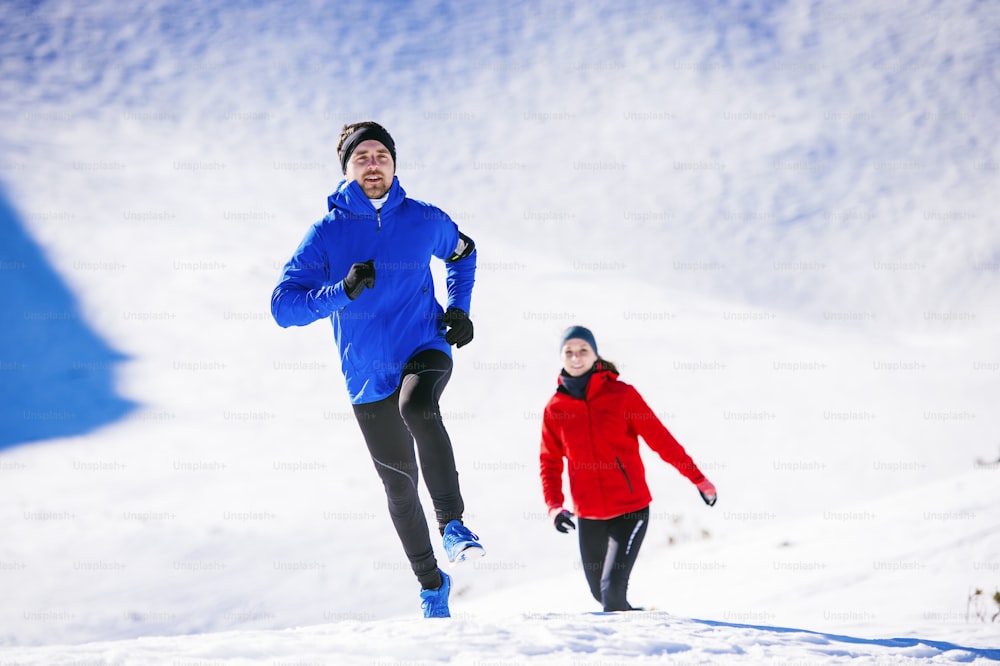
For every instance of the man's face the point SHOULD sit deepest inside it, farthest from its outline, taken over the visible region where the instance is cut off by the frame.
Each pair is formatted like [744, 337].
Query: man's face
[372, 166]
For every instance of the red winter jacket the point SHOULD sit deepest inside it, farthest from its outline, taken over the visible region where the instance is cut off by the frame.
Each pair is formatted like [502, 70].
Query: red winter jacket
[599, 439]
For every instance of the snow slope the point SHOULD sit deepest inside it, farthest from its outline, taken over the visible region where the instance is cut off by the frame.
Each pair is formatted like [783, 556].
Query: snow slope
[779, 221]
[527, 638]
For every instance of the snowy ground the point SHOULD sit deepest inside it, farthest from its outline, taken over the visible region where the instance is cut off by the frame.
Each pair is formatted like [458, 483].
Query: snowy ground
[779, 221]
[537, 638]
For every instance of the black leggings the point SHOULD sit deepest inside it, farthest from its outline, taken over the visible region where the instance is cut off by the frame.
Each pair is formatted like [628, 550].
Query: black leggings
[609, 549]
[390, 427]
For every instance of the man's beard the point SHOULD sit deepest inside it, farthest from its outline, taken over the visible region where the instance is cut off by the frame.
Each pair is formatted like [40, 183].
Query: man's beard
[375, 190]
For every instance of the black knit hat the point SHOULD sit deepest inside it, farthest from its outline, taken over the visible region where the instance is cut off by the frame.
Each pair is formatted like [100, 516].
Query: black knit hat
[375, 132]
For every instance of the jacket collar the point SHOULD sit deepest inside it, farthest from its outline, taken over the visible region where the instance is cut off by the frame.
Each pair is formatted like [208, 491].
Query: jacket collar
[590, 382]
[349, 197]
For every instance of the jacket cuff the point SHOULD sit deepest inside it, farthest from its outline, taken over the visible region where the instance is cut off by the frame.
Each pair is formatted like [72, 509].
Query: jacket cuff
[325, 300]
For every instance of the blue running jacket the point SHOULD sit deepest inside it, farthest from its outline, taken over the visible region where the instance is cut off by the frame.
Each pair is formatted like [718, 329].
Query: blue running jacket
[379, 331]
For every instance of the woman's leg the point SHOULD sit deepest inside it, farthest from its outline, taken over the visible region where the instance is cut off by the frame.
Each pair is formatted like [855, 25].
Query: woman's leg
[625, 535]
[593, 551]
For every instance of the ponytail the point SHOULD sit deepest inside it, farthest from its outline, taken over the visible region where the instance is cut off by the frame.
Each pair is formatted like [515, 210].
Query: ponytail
[604, 364]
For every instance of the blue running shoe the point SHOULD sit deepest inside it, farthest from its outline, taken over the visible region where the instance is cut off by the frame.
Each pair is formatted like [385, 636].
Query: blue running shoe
[460, 544]
[435, 602]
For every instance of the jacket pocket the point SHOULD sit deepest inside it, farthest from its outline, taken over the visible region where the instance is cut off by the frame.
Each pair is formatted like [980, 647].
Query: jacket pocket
[621, 468]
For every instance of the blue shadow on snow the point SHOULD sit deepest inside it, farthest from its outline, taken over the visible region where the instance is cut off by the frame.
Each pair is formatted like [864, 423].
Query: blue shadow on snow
[943, 646]
[56, 374]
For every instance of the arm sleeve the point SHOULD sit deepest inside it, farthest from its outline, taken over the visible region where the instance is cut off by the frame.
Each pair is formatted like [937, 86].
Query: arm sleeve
[460, 277]
[304, 293]
[648, 426]
[459, 254]
[551, 467]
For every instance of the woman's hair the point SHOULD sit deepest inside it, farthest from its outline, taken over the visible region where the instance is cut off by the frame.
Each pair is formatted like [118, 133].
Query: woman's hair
[608, 365]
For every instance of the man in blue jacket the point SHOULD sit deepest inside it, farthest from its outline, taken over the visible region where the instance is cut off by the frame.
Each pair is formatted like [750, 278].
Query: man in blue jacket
[366, 268]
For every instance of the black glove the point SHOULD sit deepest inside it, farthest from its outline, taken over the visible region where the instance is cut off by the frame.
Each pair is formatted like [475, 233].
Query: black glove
[459, 327]
[564, 521]
[360, 276]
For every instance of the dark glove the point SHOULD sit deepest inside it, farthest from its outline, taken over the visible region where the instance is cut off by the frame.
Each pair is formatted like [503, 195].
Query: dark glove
[707, 491]
[459, 327]
[564, 521]
[360, 276]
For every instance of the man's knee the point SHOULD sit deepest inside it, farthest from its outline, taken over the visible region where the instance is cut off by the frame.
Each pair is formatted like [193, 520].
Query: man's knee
[399, 481]
[416, 413]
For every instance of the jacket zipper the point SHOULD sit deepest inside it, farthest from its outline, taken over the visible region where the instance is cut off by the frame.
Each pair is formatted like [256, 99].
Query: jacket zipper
[624, 473]
[378, 229]
[590, 432]
[593, 446]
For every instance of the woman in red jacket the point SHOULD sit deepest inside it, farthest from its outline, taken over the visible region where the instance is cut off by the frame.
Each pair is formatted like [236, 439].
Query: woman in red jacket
[594, 422]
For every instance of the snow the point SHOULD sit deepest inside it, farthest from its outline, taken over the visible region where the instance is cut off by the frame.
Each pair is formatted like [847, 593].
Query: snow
[778, 220]
[536, 638]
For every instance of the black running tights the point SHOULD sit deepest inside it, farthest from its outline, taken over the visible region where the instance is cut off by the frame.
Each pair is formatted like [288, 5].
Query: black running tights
[390, 428]
[609, 549]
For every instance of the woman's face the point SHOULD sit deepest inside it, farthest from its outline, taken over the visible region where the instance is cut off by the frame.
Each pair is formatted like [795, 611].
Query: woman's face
[577, 357]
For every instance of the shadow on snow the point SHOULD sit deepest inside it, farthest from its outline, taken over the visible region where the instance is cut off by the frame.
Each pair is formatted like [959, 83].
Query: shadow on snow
[943, 646]
[56, 374]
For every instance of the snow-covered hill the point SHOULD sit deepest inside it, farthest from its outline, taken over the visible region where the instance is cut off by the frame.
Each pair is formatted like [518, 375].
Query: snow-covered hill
[525, 638]
[778, 220]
